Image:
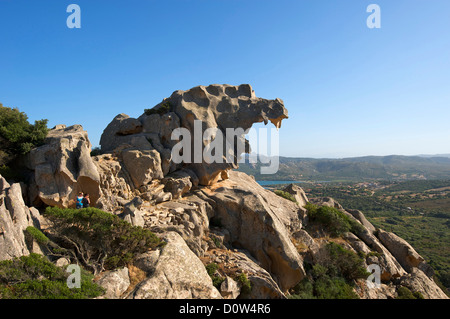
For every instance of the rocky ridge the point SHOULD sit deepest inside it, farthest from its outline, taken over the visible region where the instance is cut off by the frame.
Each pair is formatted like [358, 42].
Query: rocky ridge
[207, 213]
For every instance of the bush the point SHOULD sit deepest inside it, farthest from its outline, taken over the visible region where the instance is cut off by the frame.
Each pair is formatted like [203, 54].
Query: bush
[164, 108]
[97, 239]
[320, 284]
[335, 221]
[286, 195]
[333, 276]
[404, 293]
[35, 277]
[246, 285]
[211, 268]
[17, 135]
[333, 288]
[345, 263]
[216, 278]
[37, 235]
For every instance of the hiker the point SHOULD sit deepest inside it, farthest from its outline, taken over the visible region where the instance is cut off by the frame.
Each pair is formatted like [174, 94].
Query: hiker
[86, 201]
[79, 202]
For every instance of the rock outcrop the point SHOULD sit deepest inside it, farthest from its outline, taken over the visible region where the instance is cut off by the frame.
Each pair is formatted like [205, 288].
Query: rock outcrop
[258, 221]
[215, 108]
[15, 217]
[62, 167]
[177, 274]
[206, 212]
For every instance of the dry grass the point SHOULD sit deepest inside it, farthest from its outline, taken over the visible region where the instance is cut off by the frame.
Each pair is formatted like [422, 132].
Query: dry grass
[136, 276]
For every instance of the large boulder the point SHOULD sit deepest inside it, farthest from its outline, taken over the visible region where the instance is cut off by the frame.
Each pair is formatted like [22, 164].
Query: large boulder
[142, 165]
[62, 167]
[418, 281]
[298, 193]
[215, 107]
[260, 222]
[120, 127]
[114, 282]
[15, 217]
[405, 254]
[177, 274]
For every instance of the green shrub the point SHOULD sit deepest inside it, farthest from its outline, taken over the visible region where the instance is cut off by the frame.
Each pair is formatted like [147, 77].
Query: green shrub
[404, 293]
[217, 281]
[99, 240]
[333, 288]
[321, 285]
[35, 277]
[17, 135]
[164, 108]
[332, 277]
[211, 268]
[246, 285]
[303, 290]
[335, 221]
[285, 195]
[345, 263]
[216, 278]
[37, 235]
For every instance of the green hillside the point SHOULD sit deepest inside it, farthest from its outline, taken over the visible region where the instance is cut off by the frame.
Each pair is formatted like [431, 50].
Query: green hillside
[392, 167]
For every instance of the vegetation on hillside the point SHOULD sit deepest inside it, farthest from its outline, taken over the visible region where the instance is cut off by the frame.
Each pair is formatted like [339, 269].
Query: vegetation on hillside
[333, 276]
[417, 211]
[369, 168]
[285, 195]
[333, 220]
[35, 277]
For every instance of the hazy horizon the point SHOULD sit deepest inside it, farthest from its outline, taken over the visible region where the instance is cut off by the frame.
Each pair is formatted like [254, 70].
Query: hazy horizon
[370, 155]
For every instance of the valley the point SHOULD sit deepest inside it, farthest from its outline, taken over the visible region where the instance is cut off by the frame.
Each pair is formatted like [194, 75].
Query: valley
[416, 210]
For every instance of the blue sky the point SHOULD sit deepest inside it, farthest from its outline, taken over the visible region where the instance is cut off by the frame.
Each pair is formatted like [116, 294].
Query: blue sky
[350, 90]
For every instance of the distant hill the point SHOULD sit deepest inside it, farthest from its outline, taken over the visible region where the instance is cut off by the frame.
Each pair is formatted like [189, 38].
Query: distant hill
[393, 167]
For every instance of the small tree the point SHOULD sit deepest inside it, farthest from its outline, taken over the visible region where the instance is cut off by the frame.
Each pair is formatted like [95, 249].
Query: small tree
[17, 135]
[98, 240]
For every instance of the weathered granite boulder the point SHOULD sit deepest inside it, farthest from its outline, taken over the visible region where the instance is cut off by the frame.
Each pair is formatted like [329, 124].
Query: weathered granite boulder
[115, 283]
[215, 109]
[142, 165]
[405, 254]
[120, 127]
[62, 167]
[229, 288]
[298, 193]
[15, 217]
[178, 274]
[259, 221]
[132, 214]
[418, 281]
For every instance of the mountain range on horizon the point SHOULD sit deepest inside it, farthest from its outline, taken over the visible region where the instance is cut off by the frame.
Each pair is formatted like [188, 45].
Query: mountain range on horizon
[391, 167]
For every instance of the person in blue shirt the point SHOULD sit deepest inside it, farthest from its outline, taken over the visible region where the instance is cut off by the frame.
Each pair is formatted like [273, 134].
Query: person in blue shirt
[79, 202]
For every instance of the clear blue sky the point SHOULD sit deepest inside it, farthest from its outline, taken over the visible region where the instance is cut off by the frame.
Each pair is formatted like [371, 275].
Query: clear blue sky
[350, 90]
